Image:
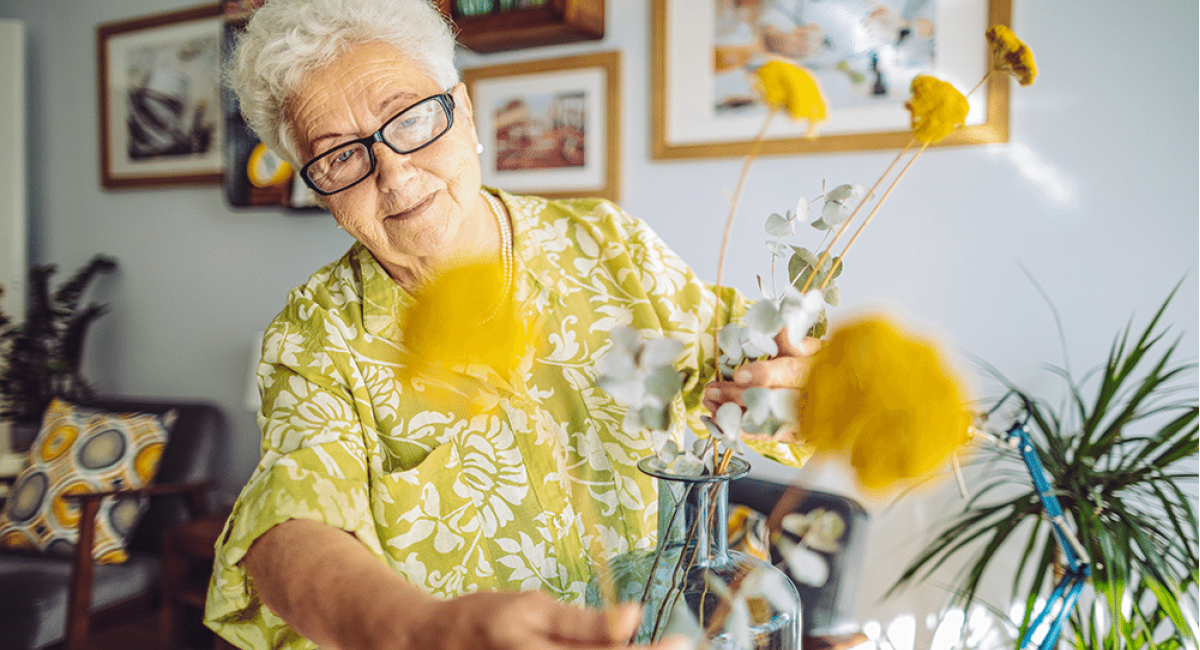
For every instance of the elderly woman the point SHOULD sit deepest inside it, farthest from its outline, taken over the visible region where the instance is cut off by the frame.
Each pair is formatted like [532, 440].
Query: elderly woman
[381, 518]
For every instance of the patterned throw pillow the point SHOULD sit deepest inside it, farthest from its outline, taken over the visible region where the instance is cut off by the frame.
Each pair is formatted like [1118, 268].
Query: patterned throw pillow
[83, 450]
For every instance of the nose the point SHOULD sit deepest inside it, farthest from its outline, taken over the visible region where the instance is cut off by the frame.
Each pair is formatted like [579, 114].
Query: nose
[392, 170]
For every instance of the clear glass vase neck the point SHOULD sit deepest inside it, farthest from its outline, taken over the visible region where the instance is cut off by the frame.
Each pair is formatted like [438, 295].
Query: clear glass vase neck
[693, 511]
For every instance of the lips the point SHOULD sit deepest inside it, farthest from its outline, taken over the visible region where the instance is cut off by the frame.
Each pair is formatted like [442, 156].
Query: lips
[414, 210]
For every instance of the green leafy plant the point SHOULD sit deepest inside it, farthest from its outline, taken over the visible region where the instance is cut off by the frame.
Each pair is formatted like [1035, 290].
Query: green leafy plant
[1119, 452]
[42, 355]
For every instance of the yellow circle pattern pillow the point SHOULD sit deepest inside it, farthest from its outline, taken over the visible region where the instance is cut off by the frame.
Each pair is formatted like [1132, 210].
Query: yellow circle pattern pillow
[83, 450]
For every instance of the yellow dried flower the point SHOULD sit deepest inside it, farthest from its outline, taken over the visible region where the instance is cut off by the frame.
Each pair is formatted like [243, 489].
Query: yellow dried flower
[788, 86]
[1010, 55]
[937, 109]
[886, 401]
[452, 324]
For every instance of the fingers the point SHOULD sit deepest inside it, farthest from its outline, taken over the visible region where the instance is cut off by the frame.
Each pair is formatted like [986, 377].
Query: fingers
[783, 371]
[607, 629]
[808, 345]
[593, 627]
[535, 621]
[674, 642]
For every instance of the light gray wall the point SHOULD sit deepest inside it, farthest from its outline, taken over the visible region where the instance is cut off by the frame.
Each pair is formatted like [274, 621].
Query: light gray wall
[1095, 195]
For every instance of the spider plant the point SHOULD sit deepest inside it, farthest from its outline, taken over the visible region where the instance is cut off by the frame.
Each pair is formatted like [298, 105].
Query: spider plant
[1121, 451]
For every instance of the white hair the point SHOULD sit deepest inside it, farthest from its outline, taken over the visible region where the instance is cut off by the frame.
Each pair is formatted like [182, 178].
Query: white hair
[285, 40]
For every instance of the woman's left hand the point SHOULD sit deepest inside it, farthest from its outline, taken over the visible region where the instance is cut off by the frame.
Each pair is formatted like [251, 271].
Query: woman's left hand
[784, 370]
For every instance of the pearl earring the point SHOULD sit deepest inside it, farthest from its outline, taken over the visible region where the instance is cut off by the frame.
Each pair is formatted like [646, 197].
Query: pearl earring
[478, 147]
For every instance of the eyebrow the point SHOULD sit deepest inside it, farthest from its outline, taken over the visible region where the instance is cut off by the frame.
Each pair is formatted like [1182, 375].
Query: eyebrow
[387, 101]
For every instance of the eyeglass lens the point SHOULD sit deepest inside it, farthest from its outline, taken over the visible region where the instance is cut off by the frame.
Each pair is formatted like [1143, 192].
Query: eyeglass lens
[413, 128]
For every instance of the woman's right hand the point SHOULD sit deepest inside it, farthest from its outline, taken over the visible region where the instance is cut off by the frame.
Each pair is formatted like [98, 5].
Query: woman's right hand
[533, 621]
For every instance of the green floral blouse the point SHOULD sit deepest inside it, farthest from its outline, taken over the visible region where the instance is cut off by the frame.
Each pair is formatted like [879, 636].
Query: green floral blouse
[531, 494]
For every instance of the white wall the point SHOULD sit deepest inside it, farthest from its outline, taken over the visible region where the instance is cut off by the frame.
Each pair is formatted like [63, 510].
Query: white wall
[1095, 195]
[13, 216]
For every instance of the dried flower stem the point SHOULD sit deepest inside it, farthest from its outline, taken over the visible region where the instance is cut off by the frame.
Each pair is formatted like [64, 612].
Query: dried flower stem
[825, 253]
[980, 84]
[874, 210]
[733, 205]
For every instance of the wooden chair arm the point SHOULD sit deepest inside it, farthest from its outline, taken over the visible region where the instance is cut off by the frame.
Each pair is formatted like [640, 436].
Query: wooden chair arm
[195, 492]
[79, 600]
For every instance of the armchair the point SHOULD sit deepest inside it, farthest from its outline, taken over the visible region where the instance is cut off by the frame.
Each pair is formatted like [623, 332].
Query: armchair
[45, 600]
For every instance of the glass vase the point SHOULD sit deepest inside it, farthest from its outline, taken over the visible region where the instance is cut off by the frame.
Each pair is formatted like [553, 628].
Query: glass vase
[691, 582]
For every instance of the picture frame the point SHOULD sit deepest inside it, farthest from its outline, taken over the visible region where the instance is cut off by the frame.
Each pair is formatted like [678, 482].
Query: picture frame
[159, 94]
[702, 100]
[550, 127]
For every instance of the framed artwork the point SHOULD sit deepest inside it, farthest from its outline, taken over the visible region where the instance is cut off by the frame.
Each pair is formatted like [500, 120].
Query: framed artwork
[550, 127]
[863, 53]
[159, 85]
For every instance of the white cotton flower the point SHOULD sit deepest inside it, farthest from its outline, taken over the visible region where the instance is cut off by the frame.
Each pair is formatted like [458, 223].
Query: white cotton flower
[642, 377]
[758, 407]
[770, 409]
[785, 404]
[773, 585]
[666, 449]
[726, 426]
[682, 622]
[659, 352]
[763, 322]
[799, 312]
[688, 464]
[805, 565]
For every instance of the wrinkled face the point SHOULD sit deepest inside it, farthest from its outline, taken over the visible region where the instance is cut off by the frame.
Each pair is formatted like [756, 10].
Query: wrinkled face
[417, 209]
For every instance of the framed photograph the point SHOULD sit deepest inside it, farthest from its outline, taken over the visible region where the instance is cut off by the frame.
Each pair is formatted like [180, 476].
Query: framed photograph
[863, 53]
[550, 127]
[159, 85]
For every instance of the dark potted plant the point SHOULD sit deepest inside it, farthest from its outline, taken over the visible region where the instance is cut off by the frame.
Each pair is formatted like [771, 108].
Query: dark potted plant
[1120, 454]
[40, 357]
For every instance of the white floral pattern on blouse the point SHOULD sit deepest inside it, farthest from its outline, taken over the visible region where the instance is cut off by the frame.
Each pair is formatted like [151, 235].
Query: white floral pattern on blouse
[529, 495]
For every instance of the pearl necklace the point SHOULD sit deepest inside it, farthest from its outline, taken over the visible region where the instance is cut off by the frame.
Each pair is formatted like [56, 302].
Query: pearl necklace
[506, 254]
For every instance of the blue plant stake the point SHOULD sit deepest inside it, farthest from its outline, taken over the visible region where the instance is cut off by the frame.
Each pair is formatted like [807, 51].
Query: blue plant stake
[1078, 568]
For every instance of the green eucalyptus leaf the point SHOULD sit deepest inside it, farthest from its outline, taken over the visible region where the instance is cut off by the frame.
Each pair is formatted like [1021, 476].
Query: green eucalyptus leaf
[832, 296]
[808, 257]
[780, 226]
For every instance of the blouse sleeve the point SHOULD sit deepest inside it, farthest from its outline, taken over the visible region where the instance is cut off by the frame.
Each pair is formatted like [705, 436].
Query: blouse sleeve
[688, 309]
[313, 467]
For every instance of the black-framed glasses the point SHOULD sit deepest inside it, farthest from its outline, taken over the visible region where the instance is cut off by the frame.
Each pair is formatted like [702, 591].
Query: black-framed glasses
[412, 129]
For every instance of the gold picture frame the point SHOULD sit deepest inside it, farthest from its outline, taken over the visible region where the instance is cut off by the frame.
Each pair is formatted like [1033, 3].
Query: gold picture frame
[689, 120]
[550, 127]
[159, 92]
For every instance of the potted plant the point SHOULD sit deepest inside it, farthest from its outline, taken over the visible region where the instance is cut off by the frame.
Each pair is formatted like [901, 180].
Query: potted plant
[1119, 454]
[40, 357]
